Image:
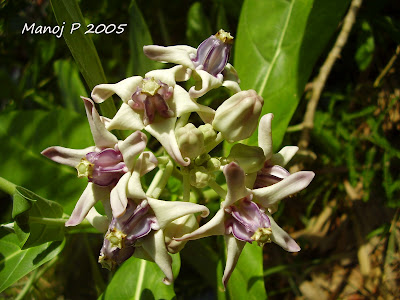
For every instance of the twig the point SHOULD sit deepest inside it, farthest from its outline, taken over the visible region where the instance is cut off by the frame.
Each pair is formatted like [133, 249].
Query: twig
[387, 68]
[326, 68]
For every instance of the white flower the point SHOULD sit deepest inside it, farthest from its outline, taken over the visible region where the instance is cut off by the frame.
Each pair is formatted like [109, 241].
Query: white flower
[154, 104]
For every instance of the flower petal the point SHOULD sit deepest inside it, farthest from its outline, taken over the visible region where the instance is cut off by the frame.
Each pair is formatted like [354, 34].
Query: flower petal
[88, 199]
[179, 55]
[281, 238]
[131, 147]
[216, 226]
[182, 104]
[118, 198]
[97, 220]
[235, 180]
[292, 184]
[284, 156]
[135, 190]
[146, 162]
[208, 82]
[164, 132]
[168, 211]
[154, 246]
[101, 136]
[124, 89]
[170, 76]
[234, 249]
[126, 119]
[265, 135]
[66, 156]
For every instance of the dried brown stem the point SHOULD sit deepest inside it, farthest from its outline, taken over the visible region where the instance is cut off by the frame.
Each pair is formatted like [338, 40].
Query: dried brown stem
[319, 82]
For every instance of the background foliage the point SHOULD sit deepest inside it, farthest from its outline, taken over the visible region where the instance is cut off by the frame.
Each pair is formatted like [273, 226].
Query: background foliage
[347, 222]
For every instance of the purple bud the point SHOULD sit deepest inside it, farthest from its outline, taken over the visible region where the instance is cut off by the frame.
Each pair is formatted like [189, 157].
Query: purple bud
[151, 97]
[213, 53]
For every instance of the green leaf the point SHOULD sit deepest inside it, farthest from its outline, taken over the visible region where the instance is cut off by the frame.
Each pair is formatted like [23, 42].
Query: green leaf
[16, 263]
[247, 280]
[82, 47]
[277, 45]
[198, 25]
[24, 134]
[366, 46]
[27, 207]
[140, 279]
[139, 36]
[70, 85]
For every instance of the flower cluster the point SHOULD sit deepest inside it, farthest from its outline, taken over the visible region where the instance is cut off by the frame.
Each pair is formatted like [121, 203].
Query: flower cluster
[139, 224]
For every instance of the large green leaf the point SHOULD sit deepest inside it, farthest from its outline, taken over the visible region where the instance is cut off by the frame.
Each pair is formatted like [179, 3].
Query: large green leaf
[16, 263]
[70, 84]
[277, 45]
[247, 280]
[139, 36]
[81, 46]
[140, 280]
[28, 210]
[24, 134]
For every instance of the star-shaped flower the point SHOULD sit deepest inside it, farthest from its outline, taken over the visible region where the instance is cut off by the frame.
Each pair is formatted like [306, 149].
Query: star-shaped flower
[153, 103]
[209, 62]
[244, 216]
[140, 232]
[104, 164]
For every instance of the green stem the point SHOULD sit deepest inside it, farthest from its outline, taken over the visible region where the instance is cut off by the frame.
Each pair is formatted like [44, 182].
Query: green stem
[27, 286]
[59, 221]
[186, 186]
[217, 188]
[214, 144]
[183, 120]
[160, 181]
[7, 186]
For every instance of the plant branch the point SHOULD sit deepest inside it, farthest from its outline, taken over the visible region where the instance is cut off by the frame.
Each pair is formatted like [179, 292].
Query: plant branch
[319, 82]
[7, 186]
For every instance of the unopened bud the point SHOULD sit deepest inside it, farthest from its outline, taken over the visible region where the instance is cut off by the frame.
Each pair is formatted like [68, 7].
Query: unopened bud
[237, 117]
[202, 159]
[199, 177]
[177, 229]
[209, 133]
[250, 158]
[190, 140]
[213, 164]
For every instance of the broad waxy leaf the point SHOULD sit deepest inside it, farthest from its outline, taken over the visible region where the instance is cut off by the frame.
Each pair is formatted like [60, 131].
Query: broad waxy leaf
[247, 281]
[70, 85]
[140, 279]
[82, 47]
[16, 263]
[28, 206]
[139, 36]
[24, 134]
[277, 45]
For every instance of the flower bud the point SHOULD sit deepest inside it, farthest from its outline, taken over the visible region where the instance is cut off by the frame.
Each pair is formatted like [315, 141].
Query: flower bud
[213, 53]
[202, 159]
[177, 229]
[237, 117]
[199, 177]
[209, 133]
[250, 158]
[190, 140]
[213, 164]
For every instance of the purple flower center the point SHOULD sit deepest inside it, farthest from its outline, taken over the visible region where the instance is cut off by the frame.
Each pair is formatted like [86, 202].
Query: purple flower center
[213, 53]
[248, 222]
[152, 98]
[123, 232]
[103, 168]
[269, 175]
